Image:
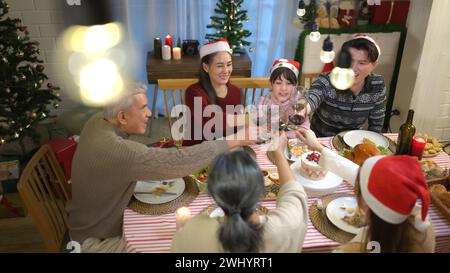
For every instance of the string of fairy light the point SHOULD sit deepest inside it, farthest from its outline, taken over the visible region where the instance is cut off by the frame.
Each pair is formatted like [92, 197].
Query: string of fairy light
[342, 76]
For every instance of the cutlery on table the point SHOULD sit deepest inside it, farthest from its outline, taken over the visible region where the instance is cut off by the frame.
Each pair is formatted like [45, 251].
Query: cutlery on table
[156, 192]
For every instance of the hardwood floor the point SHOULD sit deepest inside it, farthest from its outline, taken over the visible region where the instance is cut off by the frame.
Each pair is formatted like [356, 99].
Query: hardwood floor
[20, 235]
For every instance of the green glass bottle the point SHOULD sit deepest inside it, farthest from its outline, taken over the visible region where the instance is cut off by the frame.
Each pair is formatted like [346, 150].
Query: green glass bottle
[405, 135]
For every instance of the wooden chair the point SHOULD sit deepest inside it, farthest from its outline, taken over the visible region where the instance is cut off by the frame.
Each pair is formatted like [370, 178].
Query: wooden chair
[176, 89]
[45, 191]
[308, 78]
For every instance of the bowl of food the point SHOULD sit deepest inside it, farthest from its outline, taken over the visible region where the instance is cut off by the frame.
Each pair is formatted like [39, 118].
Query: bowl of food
[201, 179]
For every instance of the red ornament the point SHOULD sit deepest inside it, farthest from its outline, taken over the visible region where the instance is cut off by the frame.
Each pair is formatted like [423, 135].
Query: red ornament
[40, 68]
[49, 85]
[22, 29]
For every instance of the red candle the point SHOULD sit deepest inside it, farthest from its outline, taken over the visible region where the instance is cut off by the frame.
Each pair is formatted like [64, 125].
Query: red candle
[417, 146]
[169, 41]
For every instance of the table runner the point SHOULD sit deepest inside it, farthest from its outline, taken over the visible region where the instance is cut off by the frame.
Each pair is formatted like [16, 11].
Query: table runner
[151, 233]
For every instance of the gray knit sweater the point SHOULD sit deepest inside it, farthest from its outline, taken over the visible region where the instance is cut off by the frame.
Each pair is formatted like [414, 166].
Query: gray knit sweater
[105, 168]
[338, 110]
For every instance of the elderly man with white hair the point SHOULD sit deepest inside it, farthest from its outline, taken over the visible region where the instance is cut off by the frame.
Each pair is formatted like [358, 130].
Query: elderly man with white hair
[106, 166]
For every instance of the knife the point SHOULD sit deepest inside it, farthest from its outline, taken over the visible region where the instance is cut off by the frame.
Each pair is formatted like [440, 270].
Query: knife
[155, 192]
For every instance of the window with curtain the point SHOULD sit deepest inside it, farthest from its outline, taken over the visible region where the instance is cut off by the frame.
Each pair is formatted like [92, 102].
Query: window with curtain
[271, 22]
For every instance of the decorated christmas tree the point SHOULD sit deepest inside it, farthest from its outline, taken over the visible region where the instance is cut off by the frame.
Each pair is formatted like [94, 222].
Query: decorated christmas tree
[228, 24]
[24, 101]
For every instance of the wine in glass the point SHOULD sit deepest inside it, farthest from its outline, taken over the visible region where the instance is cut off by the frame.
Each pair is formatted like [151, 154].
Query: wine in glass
[296, 113]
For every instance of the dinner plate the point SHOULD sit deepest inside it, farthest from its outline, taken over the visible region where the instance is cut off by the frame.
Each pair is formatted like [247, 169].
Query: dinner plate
[174, 185]
[316, 188]
[335, 213]
[432, 155]
[355, 137]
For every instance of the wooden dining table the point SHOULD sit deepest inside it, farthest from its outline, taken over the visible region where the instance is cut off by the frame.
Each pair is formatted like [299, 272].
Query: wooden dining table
[153, 233]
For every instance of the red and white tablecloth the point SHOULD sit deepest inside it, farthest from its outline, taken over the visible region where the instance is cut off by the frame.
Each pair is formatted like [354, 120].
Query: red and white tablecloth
[153, 233]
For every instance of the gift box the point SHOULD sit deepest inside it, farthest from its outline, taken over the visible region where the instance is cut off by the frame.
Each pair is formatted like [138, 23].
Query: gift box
[390, 12]
[11, 205]
[9, 174]
[64, 148]
[347, 17]
[346, 14]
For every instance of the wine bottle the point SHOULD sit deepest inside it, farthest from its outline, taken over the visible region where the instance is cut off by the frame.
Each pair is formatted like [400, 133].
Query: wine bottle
[405, 135]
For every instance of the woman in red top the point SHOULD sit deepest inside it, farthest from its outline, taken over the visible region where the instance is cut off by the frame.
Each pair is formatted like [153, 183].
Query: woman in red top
[212, 90]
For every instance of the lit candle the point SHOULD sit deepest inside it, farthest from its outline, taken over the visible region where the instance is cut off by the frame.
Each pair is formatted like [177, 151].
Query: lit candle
[417, 146]
[182, 215]
[166, 53]
[169, 41]
[176, 53]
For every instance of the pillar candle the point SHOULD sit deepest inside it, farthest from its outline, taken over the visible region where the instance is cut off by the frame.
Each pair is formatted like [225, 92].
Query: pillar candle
[182, 215]
[169, 41]
[176, 53]
[157, 47]
[417, 146]
[166, 53]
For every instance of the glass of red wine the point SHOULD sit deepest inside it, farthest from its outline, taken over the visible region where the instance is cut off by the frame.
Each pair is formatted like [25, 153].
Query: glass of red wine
[296, 112]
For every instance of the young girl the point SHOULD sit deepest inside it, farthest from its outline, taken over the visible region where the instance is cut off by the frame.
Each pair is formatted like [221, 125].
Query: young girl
[284, 93]
[386, 188]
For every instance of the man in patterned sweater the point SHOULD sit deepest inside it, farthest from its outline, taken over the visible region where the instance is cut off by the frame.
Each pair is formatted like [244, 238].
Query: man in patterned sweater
[339, 110]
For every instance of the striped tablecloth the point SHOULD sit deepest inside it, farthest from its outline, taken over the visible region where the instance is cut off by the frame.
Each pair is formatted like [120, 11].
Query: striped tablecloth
[151, 233]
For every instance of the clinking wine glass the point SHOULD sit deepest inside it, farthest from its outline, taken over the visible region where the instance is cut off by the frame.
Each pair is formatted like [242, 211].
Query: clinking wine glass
[296, 112]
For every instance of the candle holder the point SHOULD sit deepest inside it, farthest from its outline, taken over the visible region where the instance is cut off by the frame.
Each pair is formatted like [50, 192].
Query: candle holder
[417, 146]
[182, 215]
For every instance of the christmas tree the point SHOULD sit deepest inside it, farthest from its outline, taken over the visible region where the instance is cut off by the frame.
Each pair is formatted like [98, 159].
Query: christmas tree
[228, 24]
[23, 100]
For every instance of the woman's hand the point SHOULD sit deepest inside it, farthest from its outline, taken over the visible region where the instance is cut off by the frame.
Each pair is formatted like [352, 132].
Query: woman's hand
[309, 138]
[282, 143]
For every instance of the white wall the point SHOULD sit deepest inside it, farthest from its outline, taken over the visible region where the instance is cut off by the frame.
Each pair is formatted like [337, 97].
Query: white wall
[419, 12]
[431, 97]
[44, 20]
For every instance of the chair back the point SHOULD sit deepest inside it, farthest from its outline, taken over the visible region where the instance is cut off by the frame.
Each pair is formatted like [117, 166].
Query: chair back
[45, 191]
[308, 78]
[176, 89]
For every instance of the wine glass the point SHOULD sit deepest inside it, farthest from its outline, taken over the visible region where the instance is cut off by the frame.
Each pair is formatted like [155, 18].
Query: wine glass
[297, 109]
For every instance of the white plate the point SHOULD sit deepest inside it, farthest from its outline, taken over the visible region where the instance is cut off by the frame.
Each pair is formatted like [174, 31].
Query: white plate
[335, 213]
[353, 138]
[315, 188]
[141, 186]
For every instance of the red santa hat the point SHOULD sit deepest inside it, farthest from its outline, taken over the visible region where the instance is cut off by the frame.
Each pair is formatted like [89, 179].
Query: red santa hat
[287, 63]
[215, 46]
[391, 185]
[367, 37]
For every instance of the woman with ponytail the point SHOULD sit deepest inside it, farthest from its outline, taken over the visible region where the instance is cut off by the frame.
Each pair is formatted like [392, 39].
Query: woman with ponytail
[237, 185]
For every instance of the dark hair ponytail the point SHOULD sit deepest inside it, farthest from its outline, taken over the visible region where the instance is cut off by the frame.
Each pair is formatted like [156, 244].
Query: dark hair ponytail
[236, 184]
